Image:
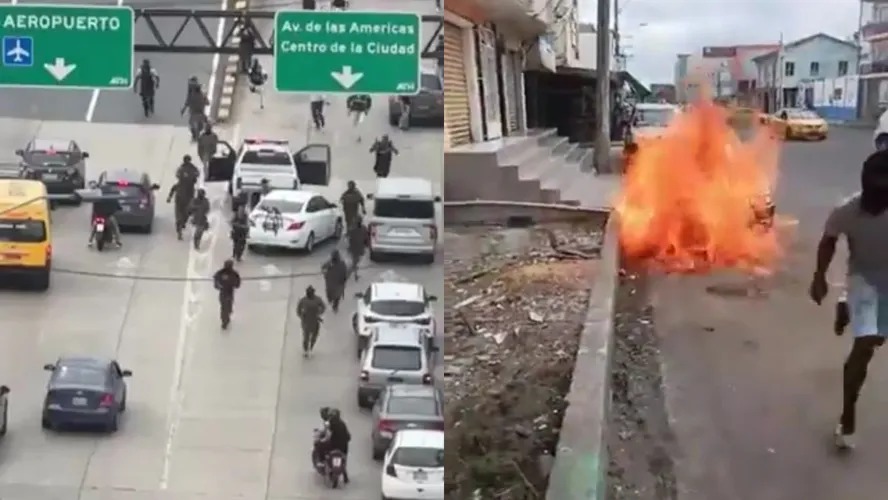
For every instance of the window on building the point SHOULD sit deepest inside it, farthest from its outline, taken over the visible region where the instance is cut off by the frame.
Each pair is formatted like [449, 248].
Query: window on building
[789, 68]
[837, 94]
[843, 68]
[815, 68]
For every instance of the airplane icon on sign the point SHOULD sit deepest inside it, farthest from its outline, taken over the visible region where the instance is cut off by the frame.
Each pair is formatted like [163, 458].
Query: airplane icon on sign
[18, 51]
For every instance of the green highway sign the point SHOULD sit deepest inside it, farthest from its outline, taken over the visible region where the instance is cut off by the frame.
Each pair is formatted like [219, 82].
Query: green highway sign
[60, 46]
[354, 52]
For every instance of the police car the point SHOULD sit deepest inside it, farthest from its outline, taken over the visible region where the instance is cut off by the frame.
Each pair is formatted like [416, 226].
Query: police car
[392, 301]
[256, 160]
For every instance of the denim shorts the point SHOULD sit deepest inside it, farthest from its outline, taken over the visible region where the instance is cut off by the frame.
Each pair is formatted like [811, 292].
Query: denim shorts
[868, 308]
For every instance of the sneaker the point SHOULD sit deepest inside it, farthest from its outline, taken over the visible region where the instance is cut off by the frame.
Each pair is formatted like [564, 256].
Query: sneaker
[843, 441]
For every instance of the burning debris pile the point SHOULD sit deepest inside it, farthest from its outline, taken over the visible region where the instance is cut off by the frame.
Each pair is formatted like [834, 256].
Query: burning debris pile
[515, 305]
[693, 200]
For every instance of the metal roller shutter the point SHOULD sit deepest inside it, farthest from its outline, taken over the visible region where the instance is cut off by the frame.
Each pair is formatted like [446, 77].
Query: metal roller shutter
[456, 92]
[511, 83]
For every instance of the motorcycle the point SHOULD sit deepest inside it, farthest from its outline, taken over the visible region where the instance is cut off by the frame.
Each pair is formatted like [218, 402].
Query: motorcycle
[332, 466]
[104, 233]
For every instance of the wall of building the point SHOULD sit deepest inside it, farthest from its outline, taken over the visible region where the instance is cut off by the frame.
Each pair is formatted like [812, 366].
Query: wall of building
[588, 41]
[835, 99]
[827, 53]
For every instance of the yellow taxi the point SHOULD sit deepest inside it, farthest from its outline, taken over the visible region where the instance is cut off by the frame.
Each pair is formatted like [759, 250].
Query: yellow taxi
[797, 123]
[25, 235]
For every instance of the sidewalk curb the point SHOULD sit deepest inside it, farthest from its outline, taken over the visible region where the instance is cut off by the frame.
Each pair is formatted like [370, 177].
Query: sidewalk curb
[229, 79]
[581, 460]
[494, 212]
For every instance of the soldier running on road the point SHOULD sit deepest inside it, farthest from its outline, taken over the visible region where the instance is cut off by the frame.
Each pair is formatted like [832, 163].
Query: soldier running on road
[358, 240]
[335, 276]
[310, 311]
[187, 176]
[199, 212]
[226, 280]
[352, 201]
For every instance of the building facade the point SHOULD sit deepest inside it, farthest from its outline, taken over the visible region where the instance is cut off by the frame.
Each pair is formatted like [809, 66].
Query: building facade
[488, 44]
[727, 72]
[784, 73]
[873, 35]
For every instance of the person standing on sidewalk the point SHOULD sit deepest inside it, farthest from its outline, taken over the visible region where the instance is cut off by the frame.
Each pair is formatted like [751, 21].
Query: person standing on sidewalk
[863, 220]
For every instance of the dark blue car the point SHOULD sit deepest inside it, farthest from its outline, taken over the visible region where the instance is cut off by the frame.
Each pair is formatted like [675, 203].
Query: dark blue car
[84, 391]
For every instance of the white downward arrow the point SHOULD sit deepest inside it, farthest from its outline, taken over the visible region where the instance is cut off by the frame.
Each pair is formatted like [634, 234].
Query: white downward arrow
[346, 78]
[59, 70]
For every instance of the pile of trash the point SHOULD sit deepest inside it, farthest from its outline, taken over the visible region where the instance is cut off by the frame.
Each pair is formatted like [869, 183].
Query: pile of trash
[515, 304]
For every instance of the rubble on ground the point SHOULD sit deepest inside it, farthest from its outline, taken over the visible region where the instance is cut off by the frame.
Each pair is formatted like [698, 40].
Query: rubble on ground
[515, 302]
[639, 439]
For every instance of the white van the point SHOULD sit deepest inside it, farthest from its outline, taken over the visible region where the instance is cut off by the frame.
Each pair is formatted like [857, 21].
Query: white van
[402, 220]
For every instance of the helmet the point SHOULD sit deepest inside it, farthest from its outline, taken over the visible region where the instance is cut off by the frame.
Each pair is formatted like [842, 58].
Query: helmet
[325, 413]
[186, 159]
[193, 80]
[333, 413]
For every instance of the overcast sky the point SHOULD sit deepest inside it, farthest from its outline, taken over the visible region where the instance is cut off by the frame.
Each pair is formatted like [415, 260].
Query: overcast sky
[657, 30]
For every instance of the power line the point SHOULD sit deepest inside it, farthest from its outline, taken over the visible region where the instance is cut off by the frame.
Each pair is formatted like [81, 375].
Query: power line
[180, 279]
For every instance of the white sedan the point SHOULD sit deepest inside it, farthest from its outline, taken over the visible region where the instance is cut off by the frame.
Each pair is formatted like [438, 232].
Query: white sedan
[414, 466]
[294, 219]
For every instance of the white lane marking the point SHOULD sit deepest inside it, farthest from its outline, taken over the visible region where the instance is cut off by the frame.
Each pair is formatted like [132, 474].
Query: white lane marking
[94, 99]
[214, 70]
[198, 267]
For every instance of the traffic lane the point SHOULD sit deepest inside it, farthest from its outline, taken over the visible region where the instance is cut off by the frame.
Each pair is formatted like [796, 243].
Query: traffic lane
[814, 176]
[45, 104]
[173, 69]
[253, 377]
[754, 401]
[288, 116]
[91, 310]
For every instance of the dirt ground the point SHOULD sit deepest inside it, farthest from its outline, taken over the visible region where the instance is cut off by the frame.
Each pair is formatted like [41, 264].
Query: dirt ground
[515, 300]
[640, 442]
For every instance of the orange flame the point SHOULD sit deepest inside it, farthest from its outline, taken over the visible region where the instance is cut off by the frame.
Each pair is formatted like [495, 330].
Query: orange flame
[689, 198]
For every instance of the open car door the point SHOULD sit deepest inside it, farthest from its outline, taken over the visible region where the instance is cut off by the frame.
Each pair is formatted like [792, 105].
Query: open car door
[221, 166]
[313, 164]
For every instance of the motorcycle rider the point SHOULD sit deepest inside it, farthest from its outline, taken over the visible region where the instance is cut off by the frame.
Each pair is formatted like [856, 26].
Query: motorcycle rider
[335, 276]
[322, 439]
[240, 229]
[147, 81]
[106, 208]
[352, 201]
[187, 176]
[383, 148]
[206, 147]
[339, 439]
[195, 103]
[226, 280]
[310, 310]
[358, 241]
[199, 210]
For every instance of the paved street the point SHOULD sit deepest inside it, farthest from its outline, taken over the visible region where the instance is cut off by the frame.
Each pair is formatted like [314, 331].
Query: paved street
[122, 106]
[211, 414]
[754, 384]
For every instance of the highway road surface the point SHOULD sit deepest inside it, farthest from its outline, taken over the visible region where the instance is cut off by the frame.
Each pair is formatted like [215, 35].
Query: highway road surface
[754, 384]
[123, 106]
[211, 414]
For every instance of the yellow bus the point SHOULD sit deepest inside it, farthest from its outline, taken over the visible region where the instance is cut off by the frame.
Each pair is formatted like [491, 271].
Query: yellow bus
[25, 234]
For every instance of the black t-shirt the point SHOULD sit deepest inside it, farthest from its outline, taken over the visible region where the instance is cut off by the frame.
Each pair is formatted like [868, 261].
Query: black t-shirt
[105, 208]
[339, 4]
[309, 4]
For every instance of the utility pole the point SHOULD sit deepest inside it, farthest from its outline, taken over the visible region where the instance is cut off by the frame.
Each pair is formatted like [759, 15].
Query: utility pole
[602, 104]
[618, 49]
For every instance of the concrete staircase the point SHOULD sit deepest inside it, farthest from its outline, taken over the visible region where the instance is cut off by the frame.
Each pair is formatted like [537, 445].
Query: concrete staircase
[538, 167]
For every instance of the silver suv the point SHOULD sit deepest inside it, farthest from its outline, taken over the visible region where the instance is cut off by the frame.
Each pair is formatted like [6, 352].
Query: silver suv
[397, 354]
